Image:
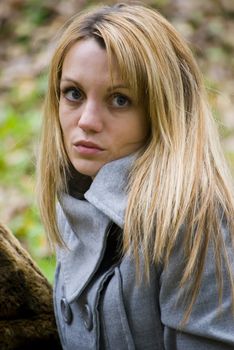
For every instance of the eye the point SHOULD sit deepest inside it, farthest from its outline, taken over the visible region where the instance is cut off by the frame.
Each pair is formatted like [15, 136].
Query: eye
[120, 100]
[72, 94]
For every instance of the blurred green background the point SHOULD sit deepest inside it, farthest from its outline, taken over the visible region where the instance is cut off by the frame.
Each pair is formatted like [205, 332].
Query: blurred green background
[27, 37]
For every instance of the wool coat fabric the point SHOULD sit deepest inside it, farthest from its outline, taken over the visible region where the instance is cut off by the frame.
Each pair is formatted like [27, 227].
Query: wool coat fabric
[26, 309]
[98, 302]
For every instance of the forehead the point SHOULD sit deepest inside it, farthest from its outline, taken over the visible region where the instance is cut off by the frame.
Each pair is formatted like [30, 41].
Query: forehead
[85, 48]
[87, 58]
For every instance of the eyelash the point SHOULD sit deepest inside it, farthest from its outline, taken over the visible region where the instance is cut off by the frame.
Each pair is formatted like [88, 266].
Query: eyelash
[66, 90]
[127, 100]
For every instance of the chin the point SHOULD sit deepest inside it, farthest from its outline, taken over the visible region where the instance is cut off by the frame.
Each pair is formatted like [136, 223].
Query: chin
[88, 168]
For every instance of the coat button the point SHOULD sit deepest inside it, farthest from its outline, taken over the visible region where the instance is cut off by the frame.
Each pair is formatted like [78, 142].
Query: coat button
[88, 317]
[66, 311]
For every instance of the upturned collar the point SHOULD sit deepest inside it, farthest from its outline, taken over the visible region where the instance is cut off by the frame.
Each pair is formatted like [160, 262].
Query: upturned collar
[108, 190]
[84, 216]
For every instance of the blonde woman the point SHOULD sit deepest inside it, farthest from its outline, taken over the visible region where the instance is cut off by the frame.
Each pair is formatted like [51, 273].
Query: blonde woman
[134, 191]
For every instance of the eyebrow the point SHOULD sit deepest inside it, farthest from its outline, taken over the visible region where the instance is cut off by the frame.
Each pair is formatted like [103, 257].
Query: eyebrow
[110, 88]
[69, 80]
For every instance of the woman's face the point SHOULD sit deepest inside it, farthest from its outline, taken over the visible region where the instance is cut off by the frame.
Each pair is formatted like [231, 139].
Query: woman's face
[100, 121]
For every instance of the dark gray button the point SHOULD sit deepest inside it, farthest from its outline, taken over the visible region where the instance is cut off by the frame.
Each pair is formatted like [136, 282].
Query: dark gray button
[88, 317]
[66, 311]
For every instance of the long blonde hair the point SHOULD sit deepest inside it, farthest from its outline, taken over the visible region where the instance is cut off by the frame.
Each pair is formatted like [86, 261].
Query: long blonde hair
[180, 178]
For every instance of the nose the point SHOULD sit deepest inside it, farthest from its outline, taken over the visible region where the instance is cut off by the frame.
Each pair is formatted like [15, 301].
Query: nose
[91, 118]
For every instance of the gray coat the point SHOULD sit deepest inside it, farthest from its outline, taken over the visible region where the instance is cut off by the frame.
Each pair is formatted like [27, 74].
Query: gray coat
[99, 304]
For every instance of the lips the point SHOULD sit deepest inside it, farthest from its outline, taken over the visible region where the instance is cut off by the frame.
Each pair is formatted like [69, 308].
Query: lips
[88, 144]
[87, 147]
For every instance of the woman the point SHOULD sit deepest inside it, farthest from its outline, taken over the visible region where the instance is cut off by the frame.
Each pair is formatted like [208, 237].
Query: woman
[143, 228]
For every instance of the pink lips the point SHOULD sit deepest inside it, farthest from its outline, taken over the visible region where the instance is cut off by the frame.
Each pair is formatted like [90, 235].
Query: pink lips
[87, 148]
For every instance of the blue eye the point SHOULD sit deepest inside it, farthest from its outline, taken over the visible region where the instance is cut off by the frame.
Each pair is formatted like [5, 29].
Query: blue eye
[72, 94]
[120, 101]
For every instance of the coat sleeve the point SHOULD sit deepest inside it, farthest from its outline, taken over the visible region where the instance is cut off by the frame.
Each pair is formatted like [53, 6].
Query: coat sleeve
[26, 308]
[211, 324]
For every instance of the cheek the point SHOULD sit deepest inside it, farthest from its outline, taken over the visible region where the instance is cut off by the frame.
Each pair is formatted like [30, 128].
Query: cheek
[65, 120]
[131, 131]
[130, 138]
[139, 130]
[144, 128]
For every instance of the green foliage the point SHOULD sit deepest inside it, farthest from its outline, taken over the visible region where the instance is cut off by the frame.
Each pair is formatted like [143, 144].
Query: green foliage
[47, 265]
[20, 120]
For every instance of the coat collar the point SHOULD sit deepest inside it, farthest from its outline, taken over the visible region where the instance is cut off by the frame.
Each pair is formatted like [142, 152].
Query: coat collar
[84, 218]
[108, 191]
